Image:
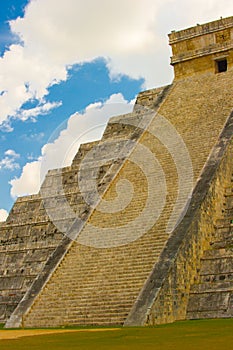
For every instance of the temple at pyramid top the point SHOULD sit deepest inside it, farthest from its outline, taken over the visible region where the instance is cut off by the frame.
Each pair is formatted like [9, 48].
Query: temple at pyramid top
[203, 48]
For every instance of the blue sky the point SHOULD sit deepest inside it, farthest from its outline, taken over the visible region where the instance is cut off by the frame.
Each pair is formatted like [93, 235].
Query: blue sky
[67, 66]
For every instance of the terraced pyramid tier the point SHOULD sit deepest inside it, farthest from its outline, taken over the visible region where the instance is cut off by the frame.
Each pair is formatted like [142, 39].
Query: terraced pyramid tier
[212, 295]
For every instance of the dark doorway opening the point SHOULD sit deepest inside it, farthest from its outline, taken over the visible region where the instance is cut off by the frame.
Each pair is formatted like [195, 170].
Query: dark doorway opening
[221, 66]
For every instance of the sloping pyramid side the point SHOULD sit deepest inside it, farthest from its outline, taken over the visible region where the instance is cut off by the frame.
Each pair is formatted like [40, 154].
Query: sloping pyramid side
[211, 294]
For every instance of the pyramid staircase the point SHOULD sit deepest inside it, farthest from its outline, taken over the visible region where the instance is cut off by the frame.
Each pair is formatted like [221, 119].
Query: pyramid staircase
[36, 224]
[77, 284]
[95, 286]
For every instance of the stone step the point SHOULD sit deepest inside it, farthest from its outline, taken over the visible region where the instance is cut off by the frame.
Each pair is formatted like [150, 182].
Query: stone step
[127, 267]
[223, 232]
[146, 241]
[228, 211]
[122, 270]
[91, 289]
[212, 287]
[229, 191]
[195, 315]
[110, 319]
[216, 266]
[224, 243]
[92, 295]
[84, 148]
[218, 253]
[216, 278]
[91, 298]
[91, 285]
[81, 320]
[83, 301]
[82, 311]
[111, 322]
[102, 260]
[124, 259]
[225, 222]
[92, 282]
[107, 264]
[124, 256]
[100, 313]
[209, 301]
[126, 252]
[38, 323]
[228, 202]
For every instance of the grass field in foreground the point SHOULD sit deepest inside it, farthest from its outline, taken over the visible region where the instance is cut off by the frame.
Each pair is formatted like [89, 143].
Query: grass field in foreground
[190, 335]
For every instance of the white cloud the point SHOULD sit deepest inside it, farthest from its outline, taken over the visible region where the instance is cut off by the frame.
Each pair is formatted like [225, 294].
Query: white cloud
[130, 34]
[64, 143]
[39, 110]
[28, 182]
[12, 153]
[3, 215]
[5, 126]
[9, 161]
[24, 76]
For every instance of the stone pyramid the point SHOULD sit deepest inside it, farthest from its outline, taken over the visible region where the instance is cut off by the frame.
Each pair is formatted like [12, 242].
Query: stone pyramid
[138, 230]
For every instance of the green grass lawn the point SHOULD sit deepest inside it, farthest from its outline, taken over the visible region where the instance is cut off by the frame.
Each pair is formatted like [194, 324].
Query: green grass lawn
[190, 335]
